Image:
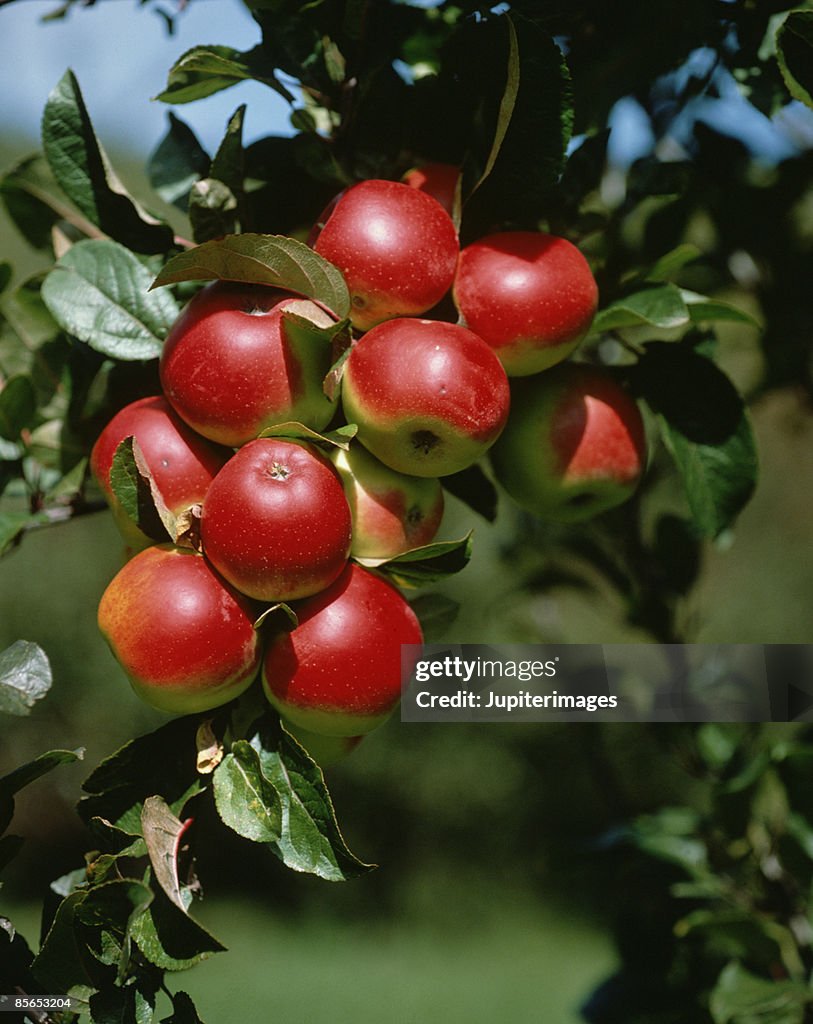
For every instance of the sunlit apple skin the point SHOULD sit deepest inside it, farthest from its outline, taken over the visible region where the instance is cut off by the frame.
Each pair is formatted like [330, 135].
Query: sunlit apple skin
[574, 445]
[325, 750]
[391, 512]
[183, 637]
[437, 180]
[429, 397]
[182, 463]
[230, 367]
[396, 246]
[338, 673]
[275, 522]
[530, 295]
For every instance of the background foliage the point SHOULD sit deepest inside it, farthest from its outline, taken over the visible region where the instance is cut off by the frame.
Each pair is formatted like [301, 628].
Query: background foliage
[691, 846]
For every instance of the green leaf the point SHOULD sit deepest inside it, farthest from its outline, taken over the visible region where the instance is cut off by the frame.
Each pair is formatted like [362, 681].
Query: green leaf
[701, 308]
[427, 564]
[706, 429]
[163, 832]
[169, 938]
[339, 438]
[135, 491]
[671, 262]
[436, 612]
[99, 292]
[83, 171]
[662, 306]
[794, 51]
[205, 70]
[262, 259]
[473, 488]
[310, 840]
[740, 997]
[18, 406]
[25, 677]
[177, 163]
[245, 800]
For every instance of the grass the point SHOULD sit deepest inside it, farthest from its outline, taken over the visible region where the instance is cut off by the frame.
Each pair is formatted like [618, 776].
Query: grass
[518, 964]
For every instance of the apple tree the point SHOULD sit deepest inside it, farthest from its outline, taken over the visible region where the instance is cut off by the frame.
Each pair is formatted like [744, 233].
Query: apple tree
[489, 127]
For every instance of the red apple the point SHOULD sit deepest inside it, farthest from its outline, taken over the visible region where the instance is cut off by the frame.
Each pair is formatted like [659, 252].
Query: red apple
[275, 522]
[531, 296]
[437, 180]
[184, 638]
[396, 246]
[429, 397]
[338, 673]
[182, 463]
[574, 444]
[231, 366]
[391, 512]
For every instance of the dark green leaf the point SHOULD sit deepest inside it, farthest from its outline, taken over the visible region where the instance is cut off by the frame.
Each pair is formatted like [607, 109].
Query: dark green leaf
[228, 164]
[163, 763]
[83, 171]
[426, 564]
[135, 491]
[6, 272]
[177, 163]
[99, 292]
[63, 960]
[18, 407]
[169, 938]
[183, 1011]
[507, 102]
[10, 846]
[205, 70]
[12, 527]
[671, 262]
[310, 839]
[705, 427]
[212, 210]
[740, 997]
[23, 776]
[662, 306]
[129, 1004]
[25, 677]
[794, 51]
[436, 613]
[531, 155]
[35, 202]
[245, 799]
[262, 259]
[474, 489]
[163, 832]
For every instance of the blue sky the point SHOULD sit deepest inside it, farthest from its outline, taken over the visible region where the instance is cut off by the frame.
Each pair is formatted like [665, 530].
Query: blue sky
[120, 54]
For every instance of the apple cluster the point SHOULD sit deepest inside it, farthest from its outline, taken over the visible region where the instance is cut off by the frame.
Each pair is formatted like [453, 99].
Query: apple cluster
[281, 519]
